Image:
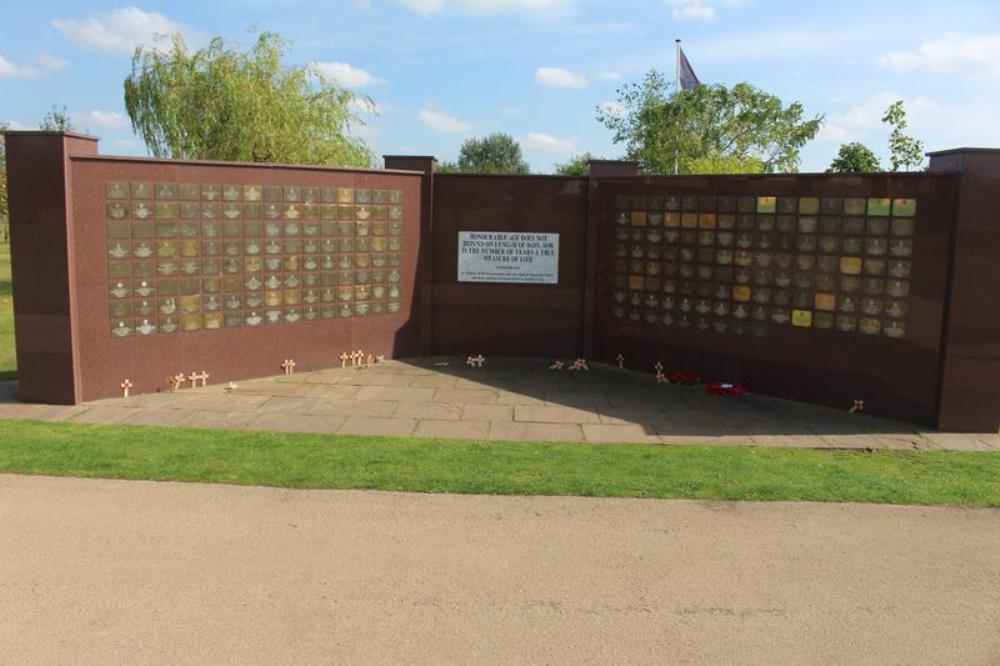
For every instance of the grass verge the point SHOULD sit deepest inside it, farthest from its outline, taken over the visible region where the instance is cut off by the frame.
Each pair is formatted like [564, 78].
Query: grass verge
[503, 468]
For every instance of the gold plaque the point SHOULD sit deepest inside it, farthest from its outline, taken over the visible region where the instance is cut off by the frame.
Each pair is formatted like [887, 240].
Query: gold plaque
[638, 218]
[808, 205]
[826, 302]
[636, 282]
[689, 220]
[672, 220]
[742, 293]
[850, 265]
[802, 318]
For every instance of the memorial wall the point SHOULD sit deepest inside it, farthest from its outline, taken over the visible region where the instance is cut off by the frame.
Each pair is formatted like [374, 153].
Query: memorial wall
[822, 288]
[184, 267]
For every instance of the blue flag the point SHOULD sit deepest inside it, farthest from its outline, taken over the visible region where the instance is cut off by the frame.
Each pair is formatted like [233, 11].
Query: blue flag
[688, 79]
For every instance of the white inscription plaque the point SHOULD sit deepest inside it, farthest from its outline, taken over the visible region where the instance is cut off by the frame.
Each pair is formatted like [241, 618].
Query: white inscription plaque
[508, 257]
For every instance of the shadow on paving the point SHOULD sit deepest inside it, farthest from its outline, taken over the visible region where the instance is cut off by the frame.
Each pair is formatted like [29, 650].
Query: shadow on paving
[507, 399]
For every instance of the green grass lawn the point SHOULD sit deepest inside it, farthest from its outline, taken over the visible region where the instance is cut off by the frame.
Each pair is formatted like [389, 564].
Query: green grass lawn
[503, 468]
[8, 362]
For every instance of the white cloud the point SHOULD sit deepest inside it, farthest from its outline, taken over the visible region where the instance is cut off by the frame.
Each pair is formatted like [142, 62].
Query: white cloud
[692, 9]
[345, 74]
[108, 119]
[700, 10]
[868, 114]
[548, 143]
[120, 31]
[833, 133]
[364, 106]
[555, 77]
[953, 52]
[609, 75]
[128, 144]
[43, 65]
[534, 7]
[14, 125]
[443, 122]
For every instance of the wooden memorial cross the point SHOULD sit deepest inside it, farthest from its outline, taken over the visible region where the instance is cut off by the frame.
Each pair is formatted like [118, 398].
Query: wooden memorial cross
[196, 377]
[175, 382]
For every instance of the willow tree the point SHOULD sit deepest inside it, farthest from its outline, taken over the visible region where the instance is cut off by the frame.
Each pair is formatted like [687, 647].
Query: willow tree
[224, 103]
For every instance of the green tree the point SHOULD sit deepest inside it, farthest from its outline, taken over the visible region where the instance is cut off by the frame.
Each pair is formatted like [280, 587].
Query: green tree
[577, 165]
[904, 151]
[496, 153]
[741, 127]
[56, 121]
[725, 164]
[224, 103]
[855, 157]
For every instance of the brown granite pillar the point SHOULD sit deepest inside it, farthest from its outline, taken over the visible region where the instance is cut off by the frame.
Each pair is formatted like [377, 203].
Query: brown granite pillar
[597, 169]
[424, 289]
[969, 399]
[42, 262]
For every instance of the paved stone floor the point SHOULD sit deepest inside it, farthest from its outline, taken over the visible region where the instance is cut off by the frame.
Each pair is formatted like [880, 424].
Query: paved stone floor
[516, 400]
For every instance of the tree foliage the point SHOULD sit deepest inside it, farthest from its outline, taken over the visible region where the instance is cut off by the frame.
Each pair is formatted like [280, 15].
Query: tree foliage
[741, 127]
[577, 165]
[224, 103]
[904, 150]
[56, 120]
[496, 153]
[855, 157]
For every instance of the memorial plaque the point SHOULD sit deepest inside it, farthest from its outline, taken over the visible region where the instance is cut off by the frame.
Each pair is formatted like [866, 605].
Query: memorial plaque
[525, 258]
[167, 274]
[807, 262]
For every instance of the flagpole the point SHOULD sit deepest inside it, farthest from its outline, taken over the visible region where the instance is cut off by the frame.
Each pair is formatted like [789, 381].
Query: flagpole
[677, 87]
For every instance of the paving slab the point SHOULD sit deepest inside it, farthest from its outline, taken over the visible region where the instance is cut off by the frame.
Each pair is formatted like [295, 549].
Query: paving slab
[286, 405]
[535, 432]
[333, 391]
[103, 414]
[214, 420]
[441, 411]
[398, 393]
[453, 429]
[554, 414]
[351, 407]
[484, 412]
[374, 425]
[466, 395]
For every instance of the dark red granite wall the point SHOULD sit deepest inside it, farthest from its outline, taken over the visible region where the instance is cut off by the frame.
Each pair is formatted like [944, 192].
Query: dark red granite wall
[707, 322]
[77, 217]
[539, 320]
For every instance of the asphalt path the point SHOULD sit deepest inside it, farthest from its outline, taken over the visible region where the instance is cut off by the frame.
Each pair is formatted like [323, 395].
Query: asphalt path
[115, 572]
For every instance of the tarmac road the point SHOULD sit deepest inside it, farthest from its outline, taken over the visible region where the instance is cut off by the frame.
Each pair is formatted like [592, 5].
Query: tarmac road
[95, 571]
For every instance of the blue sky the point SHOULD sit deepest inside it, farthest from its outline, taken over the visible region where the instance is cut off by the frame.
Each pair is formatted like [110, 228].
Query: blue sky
[441, 71]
